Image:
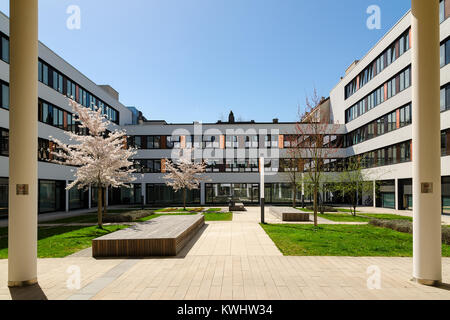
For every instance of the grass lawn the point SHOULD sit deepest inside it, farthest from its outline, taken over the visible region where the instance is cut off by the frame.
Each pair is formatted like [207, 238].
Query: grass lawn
[59, 242]
[361, 217]
[386, 216]
[209, 216]
[346, 210]
[179, 210]
[217, 216]
[342, 217]
[342, 240]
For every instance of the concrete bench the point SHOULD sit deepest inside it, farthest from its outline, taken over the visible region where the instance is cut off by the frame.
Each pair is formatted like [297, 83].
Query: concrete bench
[238, 206]
[290, 214]
[163, 236]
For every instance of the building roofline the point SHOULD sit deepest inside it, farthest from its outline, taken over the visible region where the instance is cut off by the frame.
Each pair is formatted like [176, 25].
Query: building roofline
[376, 44]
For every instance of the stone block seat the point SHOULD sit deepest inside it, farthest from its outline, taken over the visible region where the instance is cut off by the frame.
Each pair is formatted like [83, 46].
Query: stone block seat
[236, 206]
[163, 236]
[290, 214]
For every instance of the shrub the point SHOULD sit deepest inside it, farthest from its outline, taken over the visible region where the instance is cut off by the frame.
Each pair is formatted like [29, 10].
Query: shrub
[446, 235]
[325, 209]
[126, 216]
[406, 226]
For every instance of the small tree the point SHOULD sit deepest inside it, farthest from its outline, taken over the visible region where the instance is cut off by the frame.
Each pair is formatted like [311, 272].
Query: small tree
[352, 181]
[293, 168]
[184, 175]
[101, 158]
[317, 140]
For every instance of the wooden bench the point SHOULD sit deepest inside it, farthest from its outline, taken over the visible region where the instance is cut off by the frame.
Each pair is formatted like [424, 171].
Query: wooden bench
[290, 214]
[163, 236]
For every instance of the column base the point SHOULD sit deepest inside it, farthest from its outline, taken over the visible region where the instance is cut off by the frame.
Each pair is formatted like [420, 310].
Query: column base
[20, 284]
[426, 282]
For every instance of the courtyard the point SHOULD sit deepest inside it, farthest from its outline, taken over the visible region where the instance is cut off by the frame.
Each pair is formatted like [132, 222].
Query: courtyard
[227, 260]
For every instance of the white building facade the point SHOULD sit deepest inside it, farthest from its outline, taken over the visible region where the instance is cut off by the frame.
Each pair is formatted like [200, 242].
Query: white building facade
[370, 109]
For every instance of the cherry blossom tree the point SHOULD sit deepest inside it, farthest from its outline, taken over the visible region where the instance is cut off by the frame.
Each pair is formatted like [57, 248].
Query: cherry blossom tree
[101, 157]
[184, 175]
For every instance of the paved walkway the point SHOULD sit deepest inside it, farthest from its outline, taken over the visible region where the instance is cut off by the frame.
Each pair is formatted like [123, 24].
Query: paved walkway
[227, 260]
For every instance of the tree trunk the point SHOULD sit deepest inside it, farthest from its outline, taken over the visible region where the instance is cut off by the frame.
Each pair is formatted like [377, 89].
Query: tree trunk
[294, 198]
[184, 198]
[104, 203]
[315, 206]
[99, 207]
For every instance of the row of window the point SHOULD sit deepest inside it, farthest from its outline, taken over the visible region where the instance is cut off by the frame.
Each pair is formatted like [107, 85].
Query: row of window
[386, 91]
[307, 141]
[207, 141]
[59, 118]
[392, 53]
[390, 122]
[147, 165]
[234, 141]
[59, 82]
[45, 147]
[54, 79]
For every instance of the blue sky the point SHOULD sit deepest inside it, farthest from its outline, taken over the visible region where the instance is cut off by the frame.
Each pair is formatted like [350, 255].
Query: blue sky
[186, 60]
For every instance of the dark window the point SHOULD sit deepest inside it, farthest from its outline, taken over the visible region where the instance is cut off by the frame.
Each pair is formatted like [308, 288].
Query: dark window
[4, 42]
[4, 142]
[4, 96]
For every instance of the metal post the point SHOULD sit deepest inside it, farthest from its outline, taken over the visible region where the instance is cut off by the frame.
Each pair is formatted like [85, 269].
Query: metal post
[262, 189]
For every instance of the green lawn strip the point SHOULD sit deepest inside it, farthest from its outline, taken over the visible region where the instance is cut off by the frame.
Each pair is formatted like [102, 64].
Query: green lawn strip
[179, 210]
[342, 217]
[361, 217]
[342, 240]
[85, 218]
[213, 210]
[59, 242]
[218, 216]
[346, 210]
[386, 216]
[209, 216]
[91, 217]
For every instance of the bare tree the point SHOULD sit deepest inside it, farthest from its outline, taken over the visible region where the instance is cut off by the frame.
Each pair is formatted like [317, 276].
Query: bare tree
[100, 157]
[316, 141]
[184, 175]
[293, 167]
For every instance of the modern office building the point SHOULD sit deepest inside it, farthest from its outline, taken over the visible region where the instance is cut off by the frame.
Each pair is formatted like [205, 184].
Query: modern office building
[368, 111]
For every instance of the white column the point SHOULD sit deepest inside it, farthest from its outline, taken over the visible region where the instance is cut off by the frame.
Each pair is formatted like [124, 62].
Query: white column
[67, 197]
[427, 268]
[202, 194]
[23, 165]
[396, 194]
[144, 193]
[90, 198]
[374, 194]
